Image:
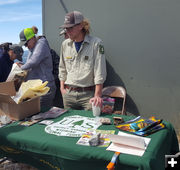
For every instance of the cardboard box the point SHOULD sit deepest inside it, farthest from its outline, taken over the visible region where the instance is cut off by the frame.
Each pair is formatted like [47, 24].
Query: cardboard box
[16, 111]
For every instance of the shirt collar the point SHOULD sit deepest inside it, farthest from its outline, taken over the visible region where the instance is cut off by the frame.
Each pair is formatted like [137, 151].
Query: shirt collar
[86, 40]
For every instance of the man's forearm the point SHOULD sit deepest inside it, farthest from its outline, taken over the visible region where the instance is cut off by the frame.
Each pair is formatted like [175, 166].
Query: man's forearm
[98, 90]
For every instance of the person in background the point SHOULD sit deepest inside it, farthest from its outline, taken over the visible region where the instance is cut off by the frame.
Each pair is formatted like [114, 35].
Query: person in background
[39, 63]
[82, 68]
[8, 53]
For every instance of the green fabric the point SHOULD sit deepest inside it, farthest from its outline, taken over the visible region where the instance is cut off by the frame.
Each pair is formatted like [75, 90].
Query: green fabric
[34, 146]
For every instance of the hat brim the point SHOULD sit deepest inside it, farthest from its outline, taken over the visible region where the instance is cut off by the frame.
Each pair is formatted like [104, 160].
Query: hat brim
[22, 43]
[67, 25]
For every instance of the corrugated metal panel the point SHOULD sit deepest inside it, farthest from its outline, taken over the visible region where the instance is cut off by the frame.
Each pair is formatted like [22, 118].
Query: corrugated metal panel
[141, 41]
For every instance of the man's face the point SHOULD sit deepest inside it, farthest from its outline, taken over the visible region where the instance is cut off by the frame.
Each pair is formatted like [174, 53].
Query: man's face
[74, 32]
[31, 43]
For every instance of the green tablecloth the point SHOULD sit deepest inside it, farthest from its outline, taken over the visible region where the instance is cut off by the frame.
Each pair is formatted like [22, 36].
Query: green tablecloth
[34, 146]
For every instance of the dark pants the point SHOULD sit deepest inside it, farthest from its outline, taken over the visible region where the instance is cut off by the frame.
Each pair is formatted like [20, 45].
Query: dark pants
[46, 101]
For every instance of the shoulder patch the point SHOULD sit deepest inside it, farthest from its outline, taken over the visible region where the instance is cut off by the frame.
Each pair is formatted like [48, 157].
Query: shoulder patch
[101, 49]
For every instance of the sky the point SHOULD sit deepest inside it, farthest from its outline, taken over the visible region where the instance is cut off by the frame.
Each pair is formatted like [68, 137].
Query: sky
[16, 15]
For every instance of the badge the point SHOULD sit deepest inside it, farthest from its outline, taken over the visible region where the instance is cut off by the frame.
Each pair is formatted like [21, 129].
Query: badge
[101, 49]
[68, 57]
[86, 57]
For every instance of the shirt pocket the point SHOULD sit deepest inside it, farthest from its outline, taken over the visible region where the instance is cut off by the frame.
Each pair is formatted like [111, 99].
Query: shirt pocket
[69, 62]
[87, 62]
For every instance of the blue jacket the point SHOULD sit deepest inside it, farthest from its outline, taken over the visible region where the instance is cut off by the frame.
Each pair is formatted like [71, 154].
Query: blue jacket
[5, 65]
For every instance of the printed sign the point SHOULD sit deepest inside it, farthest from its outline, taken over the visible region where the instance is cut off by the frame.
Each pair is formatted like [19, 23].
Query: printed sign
[73, 126]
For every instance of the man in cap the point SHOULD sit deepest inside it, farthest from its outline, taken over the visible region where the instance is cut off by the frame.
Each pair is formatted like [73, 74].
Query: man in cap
[82, 68]
[39, 63]
[8, 54]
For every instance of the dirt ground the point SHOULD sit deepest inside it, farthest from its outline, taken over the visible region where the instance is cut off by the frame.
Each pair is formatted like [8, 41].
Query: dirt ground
[9, 165]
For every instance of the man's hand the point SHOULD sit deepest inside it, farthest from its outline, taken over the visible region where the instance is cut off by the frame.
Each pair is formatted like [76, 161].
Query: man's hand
[19, 64]
[97, 101]
[62, 89]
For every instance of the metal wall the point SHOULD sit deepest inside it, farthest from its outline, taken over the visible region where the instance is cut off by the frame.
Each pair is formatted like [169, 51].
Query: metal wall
[142, 45]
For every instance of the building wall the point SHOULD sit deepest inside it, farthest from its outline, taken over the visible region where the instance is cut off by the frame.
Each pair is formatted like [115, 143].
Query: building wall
[142, 45]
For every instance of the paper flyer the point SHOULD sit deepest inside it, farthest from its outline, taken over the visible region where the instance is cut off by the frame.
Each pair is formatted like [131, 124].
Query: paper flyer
[104, 140]
[28, 122]
[129, 144]
[52, 113]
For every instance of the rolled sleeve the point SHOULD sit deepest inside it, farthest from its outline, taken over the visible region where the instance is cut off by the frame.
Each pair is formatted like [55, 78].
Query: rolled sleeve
[100, 66]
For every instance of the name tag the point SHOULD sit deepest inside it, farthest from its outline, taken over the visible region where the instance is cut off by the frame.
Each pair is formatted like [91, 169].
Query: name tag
[69, 57]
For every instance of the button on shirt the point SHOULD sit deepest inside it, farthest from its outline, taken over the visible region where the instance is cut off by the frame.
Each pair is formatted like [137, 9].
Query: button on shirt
[84, 68]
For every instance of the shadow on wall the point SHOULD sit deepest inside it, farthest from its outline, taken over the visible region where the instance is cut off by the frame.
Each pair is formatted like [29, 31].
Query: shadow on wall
[113, 79]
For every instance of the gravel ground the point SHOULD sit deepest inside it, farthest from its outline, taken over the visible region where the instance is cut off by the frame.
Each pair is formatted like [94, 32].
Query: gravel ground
[9, 165]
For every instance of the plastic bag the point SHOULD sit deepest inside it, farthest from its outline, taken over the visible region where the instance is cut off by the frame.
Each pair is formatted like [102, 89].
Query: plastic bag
[142, 126]
[31, 89]
[108, 105]
[15, 70]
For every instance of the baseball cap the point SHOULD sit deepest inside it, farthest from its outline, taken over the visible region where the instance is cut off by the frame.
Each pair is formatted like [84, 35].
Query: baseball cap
[25, 35]
[72, 18]
[18, 50]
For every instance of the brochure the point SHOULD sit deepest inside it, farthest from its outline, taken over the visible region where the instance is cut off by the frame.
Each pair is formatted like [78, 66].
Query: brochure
[129, 144]
[104, 140]
[28, 122]
[46, 122]
[52, 113]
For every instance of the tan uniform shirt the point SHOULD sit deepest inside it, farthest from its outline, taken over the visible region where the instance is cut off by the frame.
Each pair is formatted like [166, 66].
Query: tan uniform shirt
[85, 68]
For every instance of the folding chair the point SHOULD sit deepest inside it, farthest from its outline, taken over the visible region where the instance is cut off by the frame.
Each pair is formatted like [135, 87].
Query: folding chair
[116, 91]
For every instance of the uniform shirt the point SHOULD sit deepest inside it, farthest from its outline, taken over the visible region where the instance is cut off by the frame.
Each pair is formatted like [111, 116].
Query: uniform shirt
[39, 62]
[5, 65]
[84, 68]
